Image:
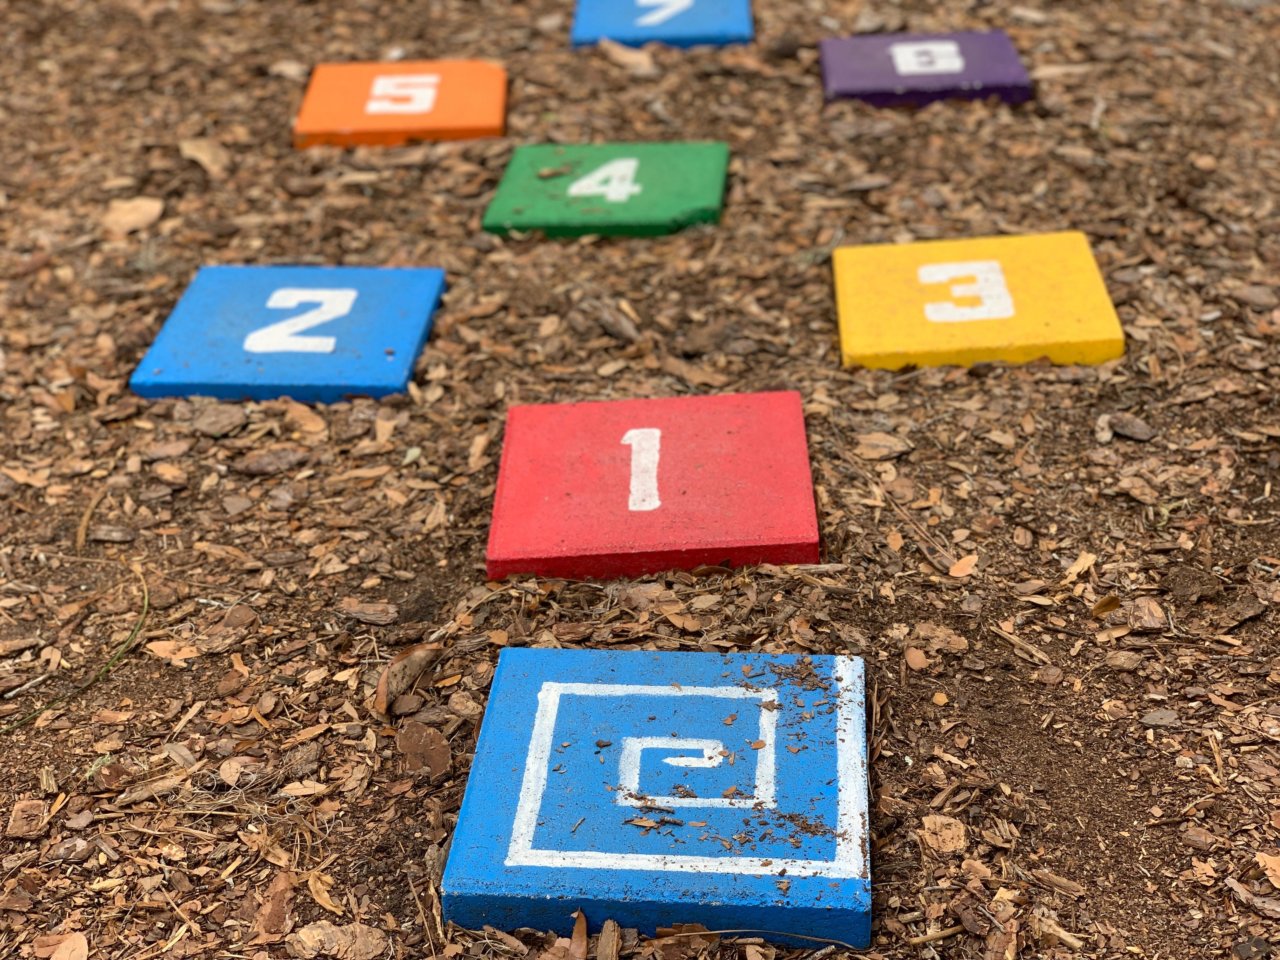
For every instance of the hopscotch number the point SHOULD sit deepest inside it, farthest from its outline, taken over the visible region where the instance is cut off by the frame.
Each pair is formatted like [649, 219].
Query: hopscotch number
[282, 337]
[663, 10]
[646, 447]
[926, 58]
[615, 181]
[995, 302]
[403, 93]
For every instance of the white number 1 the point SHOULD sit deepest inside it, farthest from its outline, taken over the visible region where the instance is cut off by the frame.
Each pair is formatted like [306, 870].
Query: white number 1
[403, 93]
[283, 337]
[615, 181]
[646, 447]
[663, 10]
[995, 302]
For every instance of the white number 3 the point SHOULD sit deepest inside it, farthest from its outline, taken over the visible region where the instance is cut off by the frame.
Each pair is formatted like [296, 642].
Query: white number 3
[995, 302]
[403, 93]
[283, 337]
[646, 448]
[615, 181]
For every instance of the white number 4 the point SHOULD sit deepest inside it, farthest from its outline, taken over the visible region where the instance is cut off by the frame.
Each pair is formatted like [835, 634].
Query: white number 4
[403, 93]
[283, 337]
[646, 448]
[995, 302]
[615, 181]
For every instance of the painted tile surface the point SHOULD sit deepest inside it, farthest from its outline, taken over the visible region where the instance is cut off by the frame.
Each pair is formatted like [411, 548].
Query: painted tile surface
[388, 104]
[310, 333]
[652, 788]
[962, 302]
[610, 188]
[634, 486]
[903, 68]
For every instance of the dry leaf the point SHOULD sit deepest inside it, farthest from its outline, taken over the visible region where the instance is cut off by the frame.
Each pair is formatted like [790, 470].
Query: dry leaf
[944, 835]
[637, 61]
[963, 567]
[378, 614]
[881, 446]
[1083, 563]
[274, 918]
[325, 940]
[319, 884]
[173, 651]
[26, 819]
[1270, 864]
[578, 942]
[126, 216]
[74, 947]
[1266, 906]
[209, 153]
[402, 673]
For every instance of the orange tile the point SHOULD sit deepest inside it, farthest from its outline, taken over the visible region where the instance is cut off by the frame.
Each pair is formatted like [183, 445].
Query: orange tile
[388, 104]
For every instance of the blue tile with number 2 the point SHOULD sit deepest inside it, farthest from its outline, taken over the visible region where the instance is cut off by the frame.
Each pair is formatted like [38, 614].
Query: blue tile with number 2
[317, 334]
[680, 23]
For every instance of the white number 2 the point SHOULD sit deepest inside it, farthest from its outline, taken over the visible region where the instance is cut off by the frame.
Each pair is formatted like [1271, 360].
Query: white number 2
[995, 302]
[283, 337]
[926, 57]
[615, 181]
[663, 10]
[403, 93]
[646, 447]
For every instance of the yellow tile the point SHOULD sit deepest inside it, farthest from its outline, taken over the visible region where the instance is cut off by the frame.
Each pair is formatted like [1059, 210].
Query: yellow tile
[962, 302]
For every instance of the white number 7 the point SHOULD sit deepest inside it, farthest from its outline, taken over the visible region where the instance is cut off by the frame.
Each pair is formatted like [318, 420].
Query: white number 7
[283, 337]
[403, 93]
[646, 447]
[663, 11]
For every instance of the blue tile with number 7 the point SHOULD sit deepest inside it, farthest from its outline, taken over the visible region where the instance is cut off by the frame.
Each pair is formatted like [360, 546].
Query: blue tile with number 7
[317, 334]
[680, 23]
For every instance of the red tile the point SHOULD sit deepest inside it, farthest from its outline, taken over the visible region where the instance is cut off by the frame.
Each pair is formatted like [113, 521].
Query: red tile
[579, 495]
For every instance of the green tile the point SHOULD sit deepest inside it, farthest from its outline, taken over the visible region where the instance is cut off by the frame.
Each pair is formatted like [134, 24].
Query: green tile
[635, 189]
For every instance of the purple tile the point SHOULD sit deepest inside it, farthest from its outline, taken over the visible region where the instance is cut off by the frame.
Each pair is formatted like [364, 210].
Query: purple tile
[916, 68]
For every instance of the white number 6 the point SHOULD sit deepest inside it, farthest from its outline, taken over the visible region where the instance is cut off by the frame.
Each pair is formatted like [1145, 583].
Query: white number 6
[646, 447]
[283, 337]
[995, 302]
[615, 181]
[403, 93]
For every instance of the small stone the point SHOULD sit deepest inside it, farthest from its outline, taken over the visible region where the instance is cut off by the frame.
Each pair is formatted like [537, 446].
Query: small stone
[110, 533]
[1162, 717]
[1134, 428]
[406, 704]
[1258, 297]
[265, 463]
[219, 420]
[424, 748]
[378, 614]
[1147, 616]
[1126, 661]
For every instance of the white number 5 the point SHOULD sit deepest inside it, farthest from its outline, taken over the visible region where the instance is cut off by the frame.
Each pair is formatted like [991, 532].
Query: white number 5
[283, 337]
[403, 93]
[995, 302]
[646, 447]
[615, 181]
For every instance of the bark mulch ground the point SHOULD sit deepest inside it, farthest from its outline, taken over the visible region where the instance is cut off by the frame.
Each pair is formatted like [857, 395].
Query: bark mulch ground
[1075, 739]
